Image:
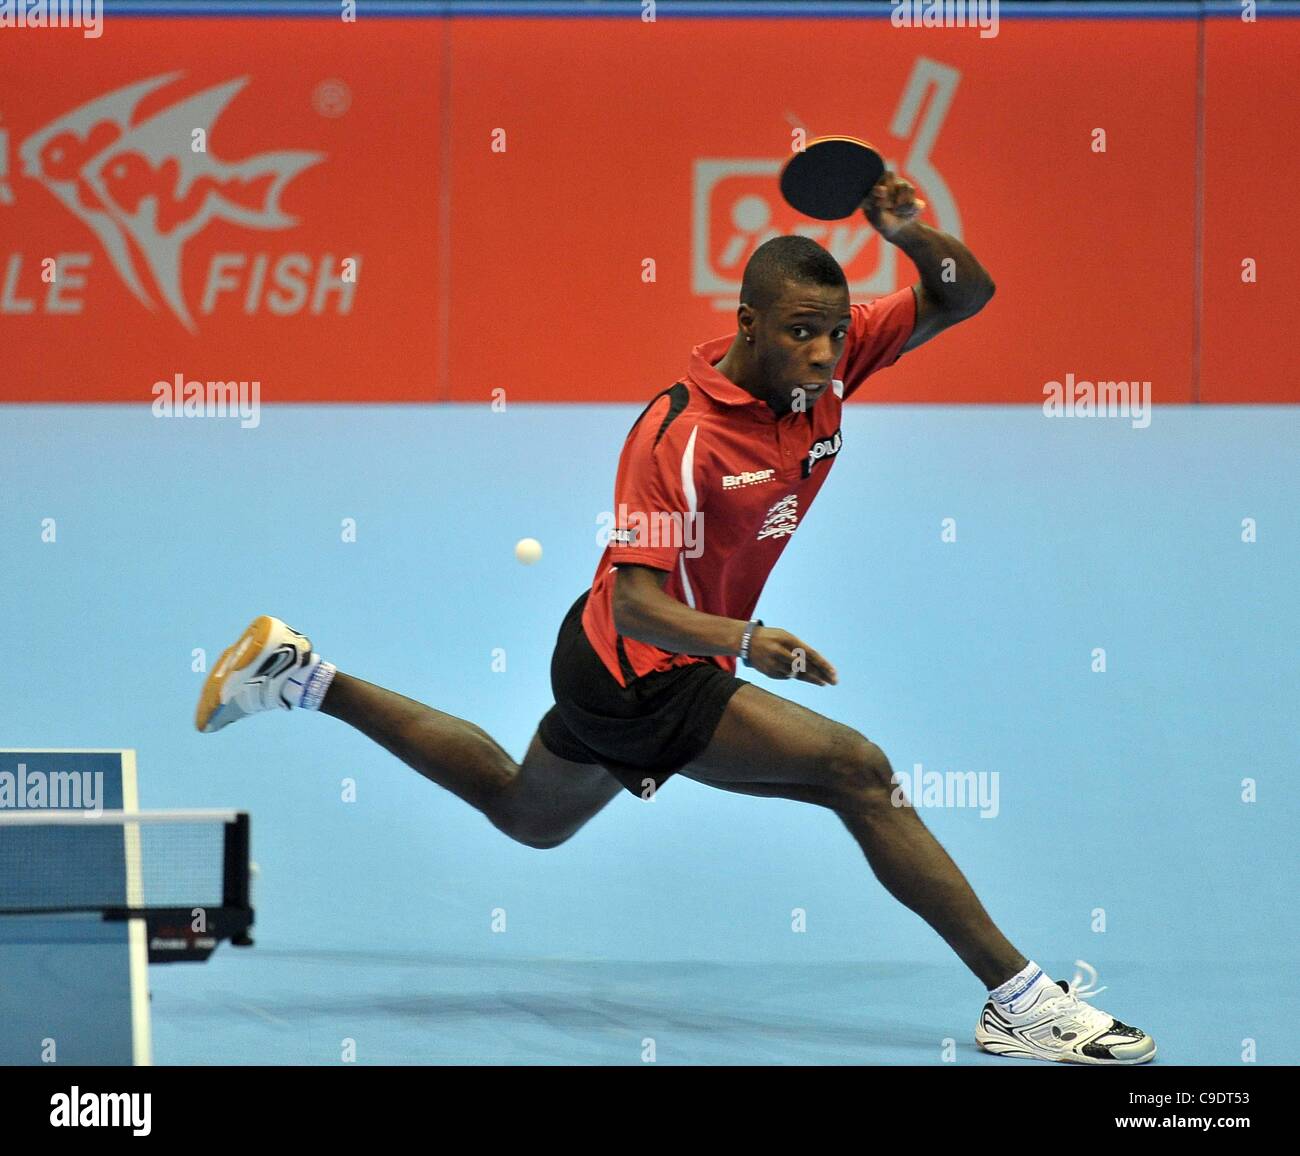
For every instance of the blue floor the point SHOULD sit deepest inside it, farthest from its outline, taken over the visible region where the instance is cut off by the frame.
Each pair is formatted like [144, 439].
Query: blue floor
[317, 1007]
[1121, 836]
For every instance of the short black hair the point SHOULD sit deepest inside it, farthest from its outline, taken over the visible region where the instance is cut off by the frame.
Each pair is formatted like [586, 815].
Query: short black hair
[783, 259]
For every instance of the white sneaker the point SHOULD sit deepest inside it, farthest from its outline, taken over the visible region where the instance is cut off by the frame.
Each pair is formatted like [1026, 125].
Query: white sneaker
[261, 671]
[1060, 1026]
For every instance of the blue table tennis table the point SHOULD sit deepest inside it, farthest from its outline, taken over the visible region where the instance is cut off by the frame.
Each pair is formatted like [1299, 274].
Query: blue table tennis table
[84, 907]
[74, 988]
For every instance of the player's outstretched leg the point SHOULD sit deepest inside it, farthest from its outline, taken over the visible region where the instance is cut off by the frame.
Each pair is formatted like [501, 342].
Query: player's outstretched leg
[540, 802]
[765, 745]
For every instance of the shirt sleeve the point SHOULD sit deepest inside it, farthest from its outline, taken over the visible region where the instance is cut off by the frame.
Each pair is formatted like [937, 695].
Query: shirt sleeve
[877, 334]
[651, 507]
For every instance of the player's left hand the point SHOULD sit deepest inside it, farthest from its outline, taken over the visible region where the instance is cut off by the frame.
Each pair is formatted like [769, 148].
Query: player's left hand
[891, 204]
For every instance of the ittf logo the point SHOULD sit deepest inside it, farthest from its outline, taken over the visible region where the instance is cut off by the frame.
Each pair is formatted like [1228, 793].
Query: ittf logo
[736, 206]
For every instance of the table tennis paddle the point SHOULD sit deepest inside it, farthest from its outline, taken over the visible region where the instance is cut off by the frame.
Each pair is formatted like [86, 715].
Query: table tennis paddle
[831, 177]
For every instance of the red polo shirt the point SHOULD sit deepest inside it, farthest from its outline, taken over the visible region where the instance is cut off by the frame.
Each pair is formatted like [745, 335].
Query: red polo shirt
[711, 484]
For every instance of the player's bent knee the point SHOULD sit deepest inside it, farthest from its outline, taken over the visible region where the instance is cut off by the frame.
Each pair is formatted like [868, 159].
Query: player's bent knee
[527, 833]
[861, 772]
[539, 840]
[543, 844]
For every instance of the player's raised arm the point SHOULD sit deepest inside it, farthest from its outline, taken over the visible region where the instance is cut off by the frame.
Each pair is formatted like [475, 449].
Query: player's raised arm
[946, 293]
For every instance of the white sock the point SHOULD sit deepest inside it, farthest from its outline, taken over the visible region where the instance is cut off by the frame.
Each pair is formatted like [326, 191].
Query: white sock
[312, 682]
[1022, 989]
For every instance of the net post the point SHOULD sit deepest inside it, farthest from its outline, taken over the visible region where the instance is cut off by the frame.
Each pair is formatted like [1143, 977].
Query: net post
[235, 886]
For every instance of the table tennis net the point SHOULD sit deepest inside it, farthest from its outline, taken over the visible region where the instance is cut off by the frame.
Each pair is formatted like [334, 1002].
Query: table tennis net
[72, 861]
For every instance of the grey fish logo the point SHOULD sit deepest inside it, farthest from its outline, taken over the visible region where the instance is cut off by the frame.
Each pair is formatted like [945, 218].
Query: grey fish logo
[144, 192]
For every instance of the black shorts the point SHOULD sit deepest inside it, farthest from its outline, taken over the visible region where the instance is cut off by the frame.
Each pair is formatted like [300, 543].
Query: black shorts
[649, 729]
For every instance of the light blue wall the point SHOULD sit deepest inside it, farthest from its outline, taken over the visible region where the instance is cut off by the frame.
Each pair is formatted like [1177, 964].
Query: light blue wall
[1117, 790]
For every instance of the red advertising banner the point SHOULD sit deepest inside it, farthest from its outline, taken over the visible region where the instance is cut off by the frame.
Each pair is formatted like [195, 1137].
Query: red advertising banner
[407, 210]
[184, 196]
[628, 143]
[1251, 255]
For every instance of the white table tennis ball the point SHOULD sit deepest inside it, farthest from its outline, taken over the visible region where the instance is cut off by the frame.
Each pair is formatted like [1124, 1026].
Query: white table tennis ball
[528, 550]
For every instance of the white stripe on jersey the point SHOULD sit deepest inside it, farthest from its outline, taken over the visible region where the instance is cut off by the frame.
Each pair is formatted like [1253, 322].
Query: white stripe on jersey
[688, 487]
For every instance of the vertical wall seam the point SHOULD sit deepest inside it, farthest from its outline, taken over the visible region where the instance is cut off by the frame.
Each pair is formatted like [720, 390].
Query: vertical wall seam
[1198, 213]
[442, 337]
